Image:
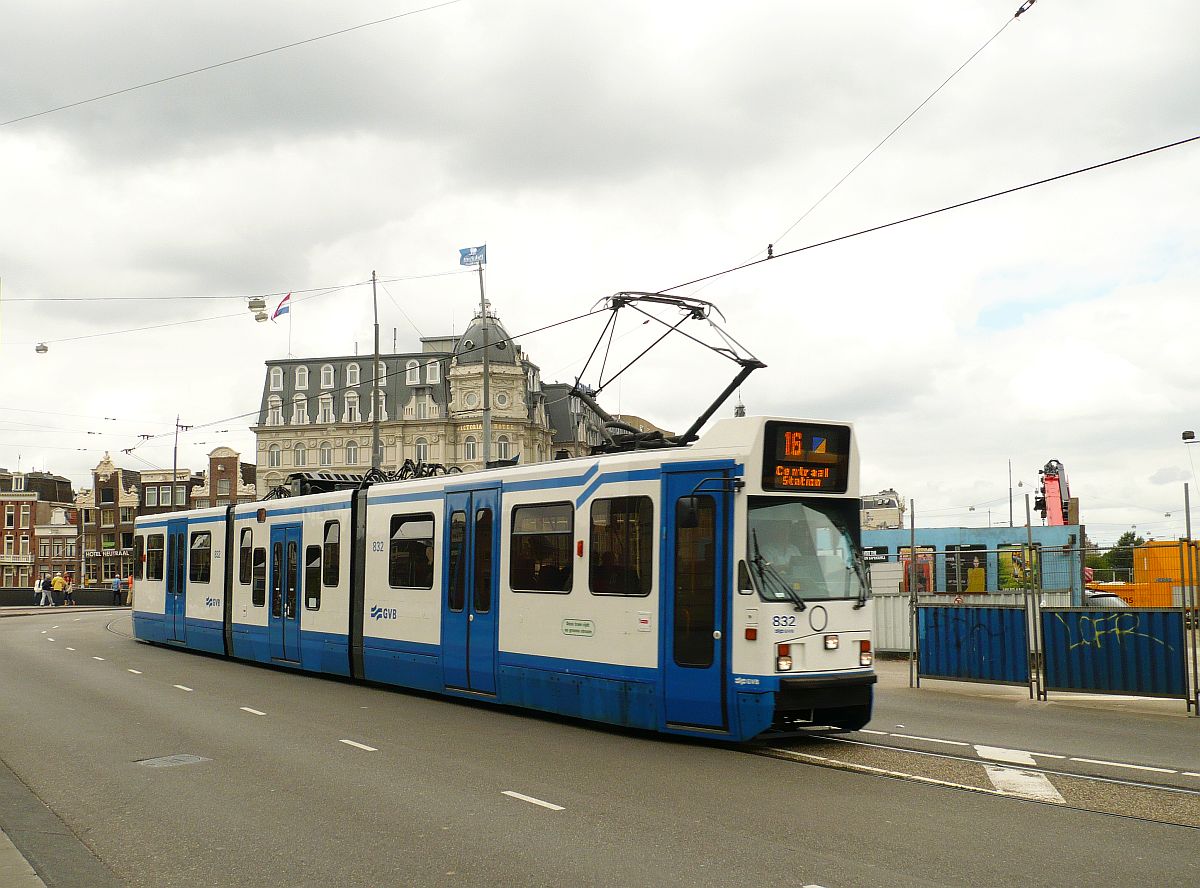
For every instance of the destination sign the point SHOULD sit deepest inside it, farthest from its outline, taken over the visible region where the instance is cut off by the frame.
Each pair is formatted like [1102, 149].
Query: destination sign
[806, 457]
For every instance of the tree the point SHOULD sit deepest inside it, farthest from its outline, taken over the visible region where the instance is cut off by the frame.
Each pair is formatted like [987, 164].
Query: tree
[1120, 557]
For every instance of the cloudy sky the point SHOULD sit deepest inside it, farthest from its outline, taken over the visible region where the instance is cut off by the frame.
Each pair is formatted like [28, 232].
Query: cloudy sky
[622, 146]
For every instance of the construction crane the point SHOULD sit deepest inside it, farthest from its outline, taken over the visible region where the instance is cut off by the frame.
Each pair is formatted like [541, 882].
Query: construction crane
[1054, 494]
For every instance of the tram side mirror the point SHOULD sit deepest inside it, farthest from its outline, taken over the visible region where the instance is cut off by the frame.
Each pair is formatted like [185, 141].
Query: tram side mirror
[686, 514]
[744, 585]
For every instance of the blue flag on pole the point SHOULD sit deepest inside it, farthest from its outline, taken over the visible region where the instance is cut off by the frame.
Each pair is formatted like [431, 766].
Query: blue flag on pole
[473, 255]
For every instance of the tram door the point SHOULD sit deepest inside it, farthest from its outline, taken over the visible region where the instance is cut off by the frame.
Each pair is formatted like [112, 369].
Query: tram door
[696, 512]
[283, 619]
[175, 612]
[470, 599]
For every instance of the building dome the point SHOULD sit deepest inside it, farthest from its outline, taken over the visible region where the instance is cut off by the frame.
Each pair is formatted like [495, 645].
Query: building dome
[469, 348]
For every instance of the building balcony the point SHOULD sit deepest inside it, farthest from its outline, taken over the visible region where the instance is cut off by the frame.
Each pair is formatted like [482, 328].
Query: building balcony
[16, 559]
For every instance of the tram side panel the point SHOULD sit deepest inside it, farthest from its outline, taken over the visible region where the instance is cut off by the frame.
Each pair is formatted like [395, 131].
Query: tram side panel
[323, 600]
[403, 579]
[579, 604]
[202, 581]
[149, 575]
[249, 588]
[293, 612]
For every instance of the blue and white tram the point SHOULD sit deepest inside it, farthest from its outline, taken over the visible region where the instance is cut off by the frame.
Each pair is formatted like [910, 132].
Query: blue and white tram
[715, 590]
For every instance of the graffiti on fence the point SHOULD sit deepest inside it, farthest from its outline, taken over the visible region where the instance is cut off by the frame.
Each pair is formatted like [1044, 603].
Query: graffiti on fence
[1094, 630]
[979, 643]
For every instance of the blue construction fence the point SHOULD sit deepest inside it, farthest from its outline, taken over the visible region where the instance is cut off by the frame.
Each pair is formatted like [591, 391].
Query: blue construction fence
[1150, 652]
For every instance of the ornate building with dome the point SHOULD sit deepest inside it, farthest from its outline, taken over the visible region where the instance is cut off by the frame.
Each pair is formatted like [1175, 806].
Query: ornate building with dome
[316, 412]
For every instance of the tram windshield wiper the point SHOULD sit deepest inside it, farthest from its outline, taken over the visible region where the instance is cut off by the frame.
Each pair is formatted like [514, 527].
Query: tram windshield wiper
[770, 577]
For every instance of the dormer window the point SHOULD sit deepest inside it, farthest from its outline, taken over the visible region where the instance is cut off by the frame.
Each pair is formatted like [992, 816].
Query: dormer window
[433, 372]
[301, 378]
[327, 376]
[276, 379]
[412, 375]
[352, 374]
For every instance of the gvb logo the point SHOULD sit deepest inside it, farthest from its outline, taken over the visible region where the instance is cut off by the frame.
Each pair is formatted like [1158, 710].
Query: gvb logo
[383, 613]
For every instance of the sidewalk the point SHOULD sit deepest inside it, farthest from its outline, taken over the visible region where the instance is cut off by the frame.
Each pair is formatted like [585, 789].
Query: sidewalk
[15, 871]
[894, 674]
[21, 610]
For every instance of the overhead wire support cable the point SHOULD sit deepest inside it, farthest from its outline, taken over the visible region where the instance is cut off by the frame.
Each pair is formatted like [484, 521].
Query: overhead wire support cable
[928, 213]
[911, 114]
[245, 58]
[196, 427]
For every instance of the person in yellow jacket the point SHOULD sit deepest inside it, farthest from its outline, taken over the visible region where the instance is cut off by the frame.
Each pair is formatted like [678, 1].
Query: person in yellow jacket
[59, 585]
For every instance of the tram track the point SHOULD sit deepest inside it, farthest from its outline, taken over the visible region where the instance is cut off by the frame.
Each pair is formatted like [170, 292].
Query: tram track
[1113, 796]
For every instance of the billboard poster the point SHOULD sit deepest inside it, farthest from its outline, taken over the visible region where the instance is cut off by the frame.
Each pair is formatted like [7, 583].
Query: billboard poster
[1017, 567]
[873, 554]
[923, 571]
[966, 569]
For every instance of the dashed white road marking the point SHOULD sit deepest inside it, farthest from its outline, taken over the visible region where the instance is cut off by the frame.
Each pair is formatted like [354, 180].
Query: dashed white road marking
[1000, 754]
[251, 711]
[362, 746]
[1191, 774]
[77, 619]
[880, 733]
[44, 631]
[97, 658]
[70, 649]
[931, 740]
[1026, 784]
[1123, 765]
[134, 671]
[183, 687]
[53, 627]
[532, 800]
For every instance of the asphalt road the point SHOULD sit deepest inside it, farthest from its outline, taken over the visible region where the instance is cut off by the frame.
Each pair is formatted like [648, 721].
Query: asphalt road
[309, 781]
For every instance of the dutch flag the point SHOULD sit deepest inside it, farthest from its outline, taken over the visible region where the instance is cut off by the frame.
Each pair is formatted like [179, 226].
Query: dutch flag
[282, 308]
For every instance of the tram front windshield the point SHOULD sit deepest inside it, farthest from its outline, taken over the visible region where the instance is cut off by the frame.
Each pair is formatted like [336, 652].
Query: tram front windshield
[804, 548]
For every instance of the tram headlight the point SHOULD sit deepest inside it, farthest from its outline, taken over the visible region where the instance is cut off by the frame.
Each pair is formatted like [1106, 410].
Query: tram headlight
[783, 658]
[831, 642]
[865, 657]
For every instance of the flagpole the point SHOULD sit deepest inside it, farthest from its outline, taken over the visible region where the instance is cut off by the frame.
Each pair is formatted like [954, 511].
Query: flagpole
[289, 331]
[487, 397]
[376, 459]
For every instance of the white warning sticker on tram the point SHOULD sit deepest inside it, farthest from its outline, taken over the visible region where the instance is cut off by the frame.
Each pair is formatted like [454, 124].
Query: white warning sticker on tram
[585, 628]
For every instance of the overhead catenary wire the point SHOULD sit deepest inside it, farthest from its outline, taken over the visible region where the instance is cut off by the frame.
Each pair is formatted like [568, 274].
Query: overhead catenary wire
[344, 388]
[911, 114]
[928, 213]
[243, 297]
[213, 67]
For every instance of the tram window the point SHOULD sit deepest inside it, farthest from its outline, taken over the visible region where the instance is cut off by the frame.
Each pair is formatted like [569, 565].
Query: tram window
[277, 579]
[312, 577]
[483, 561]
[155, 549]
[244, 565]
[259, 593]
[695, 585]
[333, 537]
[456, 587]
[622, 544]
[410, 552]
[200, 568]
[292, 587]
[541, 548]
[139, 542]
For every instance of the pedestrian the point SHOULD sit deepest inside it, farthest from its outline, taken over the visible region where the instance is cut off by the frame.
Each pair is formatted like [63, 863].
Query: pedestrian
[48, 592]
[37, 591]
[59, 585]
[116, 591]
[69, 592]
